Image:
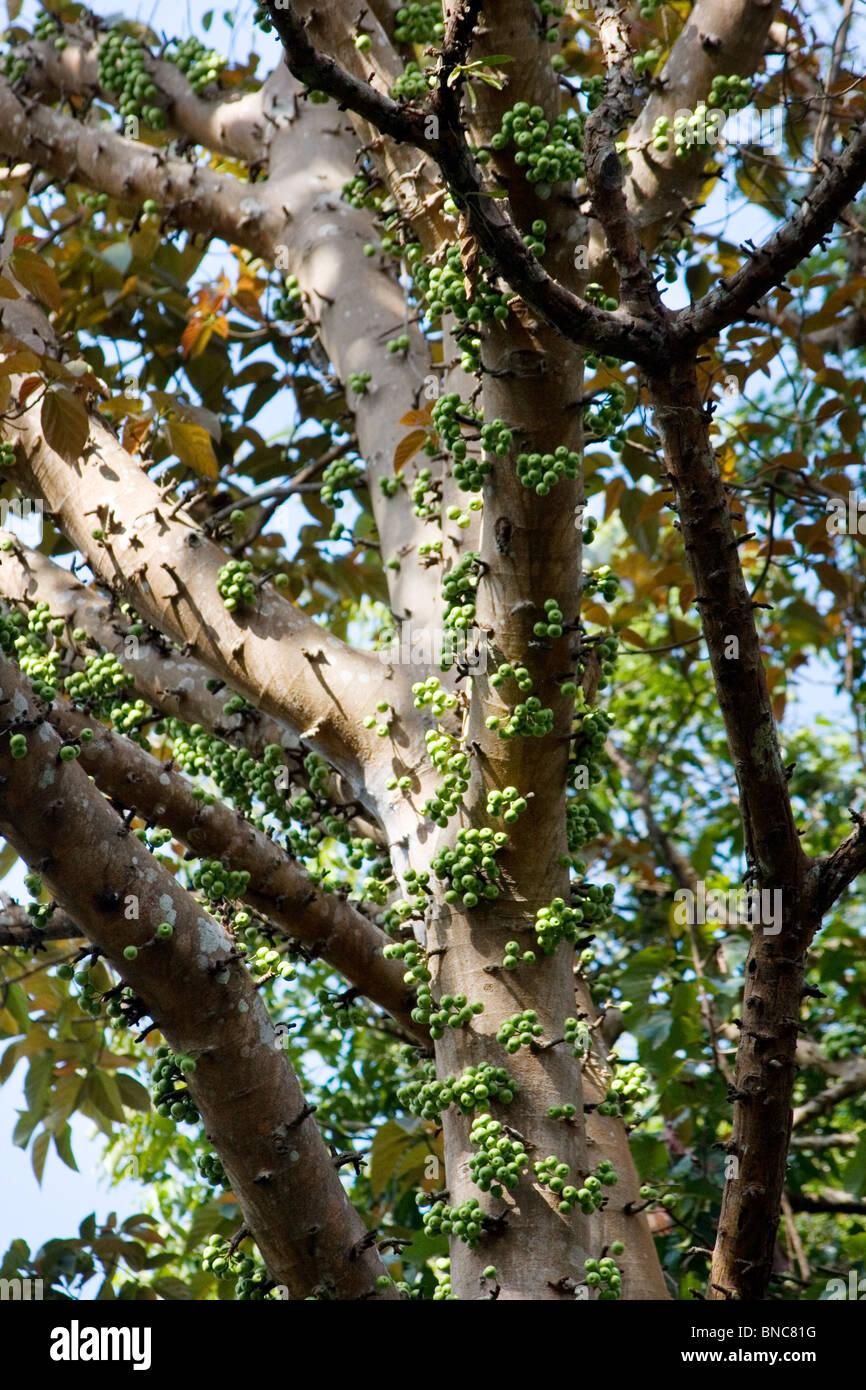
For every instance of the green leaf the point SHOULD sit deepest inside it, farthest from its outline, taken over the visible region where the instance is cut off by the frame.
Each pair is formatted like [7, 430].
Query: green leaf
[17, 1003]
[854, 1173]
[205, 1220]
[39, 1153]
[103, 1092]
[385, 1152]
[8, 858]
[24, 1128]
[63, 1102]
[657, 1027]
[63, 1145]
[173, 1289]
[16, 1257]
[132, 1093]
[11, 1057]
[37, 1086]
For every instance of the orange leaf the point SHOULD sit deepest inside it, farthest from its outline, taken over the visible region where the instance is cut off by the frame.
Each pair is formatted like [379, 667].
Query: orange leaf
[190, 335]
[670, 575]
[134, 433]
[202, 339]
[417, 417]
[838, 584]
[407, 447]
[612, 493]
[28, 386]
[687, 596]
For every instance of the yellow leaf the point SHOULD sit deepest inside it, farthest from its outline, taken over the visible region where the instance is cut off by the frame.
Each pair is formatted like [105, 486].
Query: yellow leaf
[669, 575]
[193, 446]
[656, 503]
[37, 276]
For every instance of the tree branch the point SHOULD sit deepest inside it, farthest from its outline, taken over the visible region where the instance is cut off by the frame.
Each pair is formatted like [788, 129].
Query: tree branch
[17, 929]
[279, 889]
[719, 37]
[835, 872]
[786, 248]
[162, 563]
[828, 1200]
[211, 203]
[494, 231]
[172, 681]
[203, 1001]
[604, 171]
[852, 1081]
[235, 126]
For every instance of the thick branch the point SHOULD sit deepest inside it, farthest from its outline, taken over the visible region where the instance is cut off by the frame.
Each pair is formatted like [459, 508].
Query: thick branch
[772, 843]
[201, 998]
[279, 889]
[605, 176]
[236, 126]
[213, 204]
[774, 986]
[494, 230]
[358, 305]
[785, 249]
[719, 37]
[162, 563]
[170, 680]
[852, 1081]
[836, 871]
[828, 1200]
